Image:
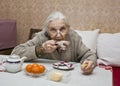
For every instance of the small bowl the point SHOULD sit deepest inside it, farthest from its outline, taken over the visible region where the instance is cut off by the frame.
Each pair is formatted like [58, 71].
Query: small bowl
[35, 75]
[66, 75]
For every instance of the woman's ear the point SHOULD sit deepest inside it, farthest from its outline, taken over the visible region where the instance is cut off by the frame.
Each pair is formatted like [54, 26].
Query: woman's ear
[68, 26]
[47, 35]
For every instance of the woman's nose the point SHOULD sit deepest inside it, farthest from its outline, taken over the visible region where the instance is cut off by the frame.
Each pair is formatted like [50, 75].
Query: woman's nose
[58, 35]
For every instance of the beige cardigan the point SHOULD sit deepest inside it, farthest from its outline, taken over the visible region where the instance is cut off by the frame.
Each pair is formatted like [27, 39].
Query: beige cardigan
[76, 51]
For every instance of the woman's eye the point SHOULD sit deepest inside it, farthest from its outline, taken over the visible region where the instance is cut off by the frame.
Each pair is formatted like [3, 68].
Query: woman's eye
[62, 29]
[53, 30]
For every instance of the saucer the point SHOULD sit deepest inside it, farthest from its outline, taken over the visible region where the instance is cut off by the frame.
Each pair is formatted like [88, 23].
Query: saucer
[62, 65]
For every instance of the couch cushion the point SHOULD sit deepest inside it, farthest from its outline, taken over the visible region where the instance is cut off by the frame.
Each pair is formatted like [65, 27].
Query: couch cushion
[116, 76]
[89, 38]
[108, 49]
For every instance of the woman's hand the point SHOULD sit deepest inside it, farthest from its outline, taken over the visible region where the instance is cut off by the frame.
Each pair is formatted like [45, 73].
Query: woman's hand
[87, 67]
[49, 46]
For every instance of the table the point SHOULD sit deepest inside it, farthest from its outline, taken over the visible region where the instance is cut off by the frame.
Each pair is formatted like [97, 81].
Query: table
[100, 77]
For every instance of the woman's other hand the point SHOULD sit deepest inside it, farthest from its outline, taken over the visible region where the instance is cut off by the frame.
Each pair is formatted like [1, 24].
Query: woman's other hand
[87, 67]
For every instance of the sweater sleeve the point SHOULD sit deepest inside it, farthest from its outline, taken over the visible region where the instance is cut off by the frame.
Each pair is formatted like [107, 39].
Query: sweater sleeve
[85, 53]
[28, 49]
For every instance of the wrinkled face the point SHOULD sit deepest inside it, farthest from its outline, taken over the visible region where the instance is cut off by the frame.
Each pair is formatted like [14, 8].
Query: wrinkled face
[58, 30]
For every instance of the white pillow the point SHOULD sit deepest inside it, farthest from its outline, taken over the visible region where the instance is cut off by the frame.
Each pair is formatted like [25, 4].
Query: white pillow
[108, 49]
[89, 38]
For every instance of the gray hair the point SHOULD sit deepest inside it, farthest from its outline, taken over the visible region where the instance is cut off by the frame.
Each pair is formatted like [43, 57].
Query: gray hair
[54, 16]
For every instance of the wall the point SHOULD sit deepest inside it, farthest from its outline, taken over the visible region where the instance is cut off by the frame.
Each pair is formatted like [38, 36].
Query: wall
[82, 14]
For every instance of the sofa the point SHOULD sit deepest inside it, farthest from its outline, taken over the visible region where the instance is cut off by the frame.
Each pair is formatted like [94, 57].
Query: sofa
[107, 48]
[8, 36]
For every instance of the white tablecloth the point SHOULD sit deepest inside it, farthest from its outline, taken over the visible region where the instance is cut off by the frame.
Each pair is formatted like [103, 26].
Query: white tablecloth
[99, 77]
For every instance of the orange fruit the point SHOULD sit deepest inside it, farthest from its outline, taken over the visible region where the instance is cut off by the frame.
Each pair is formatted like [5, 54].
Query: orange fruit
[28, 68]
[42, 68]
[35, 65]
[36, 70]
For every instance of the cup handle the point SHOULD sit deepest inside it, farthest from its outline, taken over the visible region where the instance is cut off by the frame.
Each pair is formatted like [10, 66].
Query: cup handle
[3, 60]
[2, 65]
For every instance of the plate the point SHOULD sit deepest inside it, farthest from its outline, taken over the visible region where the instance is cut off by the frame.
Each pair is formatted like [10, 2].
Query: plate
[35, 75]
[63, 65]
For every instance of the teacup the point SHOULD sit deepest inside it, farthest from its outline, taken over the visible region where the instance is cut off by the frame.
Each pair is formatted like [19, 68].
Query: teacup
[62, 45]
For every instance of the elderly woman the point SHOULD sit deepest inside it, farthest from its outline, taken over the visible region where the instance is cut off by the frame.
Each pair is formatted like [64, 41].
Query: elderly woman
[46, 44]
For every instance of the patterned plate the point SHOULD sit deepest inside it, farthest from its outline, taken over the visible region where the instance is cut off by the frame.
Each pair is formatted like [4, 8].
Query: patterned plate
[63, 65]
